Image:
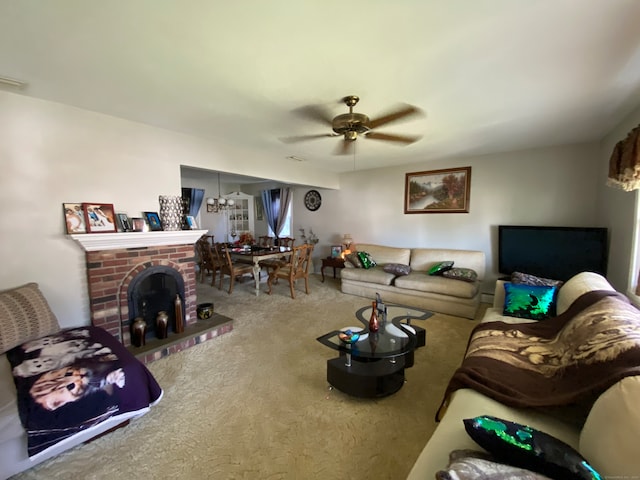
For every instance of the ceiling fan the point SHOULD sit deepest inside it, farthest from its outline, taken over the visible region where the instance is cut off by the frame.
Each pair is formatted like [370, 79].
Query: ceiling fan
[353, 125]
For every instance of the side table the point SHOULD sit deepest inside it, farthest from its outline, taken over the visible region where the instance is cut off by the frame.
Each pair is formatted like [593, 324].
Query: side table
[335, 262]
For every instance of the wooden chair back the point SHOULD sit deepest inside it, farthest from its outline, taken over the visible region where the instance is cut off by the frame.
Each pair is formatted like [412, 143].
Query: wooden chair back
[232, 269]
[265, 241]
[286, 242]
[296, 268]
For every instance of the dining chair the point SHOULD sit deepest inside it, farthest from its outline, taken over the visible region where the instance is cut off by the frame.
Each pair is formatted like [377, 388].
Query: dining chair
[205, 259]
[273, 263]
[296, 268]
[232, 269]
[265, 241]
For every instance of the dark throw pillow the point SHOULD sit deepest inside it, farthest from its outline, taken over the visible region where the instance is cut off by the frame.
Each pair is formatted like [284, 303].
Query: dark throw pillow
[526, 447]
[353, 259]
[519, 277]
[398, 269]
[534, 302]
[438, 268]
[367, 261]
[464, 274]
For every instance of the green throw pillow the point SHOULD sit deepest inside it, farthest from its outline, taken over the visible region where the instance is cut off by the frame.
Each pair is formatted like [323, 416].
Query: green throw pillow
[438, 268]
[526, 447]
[367, 261]
[534, 302]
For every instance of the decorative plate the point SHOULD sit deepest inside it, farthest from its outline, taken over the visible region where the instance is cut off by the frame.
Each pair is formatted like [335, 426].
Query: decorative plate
[312, 200]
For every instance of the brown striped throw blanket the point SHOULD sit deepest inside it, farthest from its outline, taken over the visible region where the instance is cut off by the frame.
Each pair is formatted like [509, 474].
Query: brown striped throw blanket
[560, 361]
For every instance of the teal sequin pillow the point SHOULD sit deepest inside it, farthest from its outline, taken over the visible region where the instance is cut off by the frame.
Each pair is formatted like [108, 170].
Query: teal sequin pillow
[438, 268]
[526, 447]
[535, 302]
[366, 260]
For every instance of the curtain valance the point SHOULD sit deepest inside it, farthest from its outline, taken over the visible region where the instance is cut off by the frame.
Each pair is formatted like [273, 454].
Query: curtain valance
[624, 165]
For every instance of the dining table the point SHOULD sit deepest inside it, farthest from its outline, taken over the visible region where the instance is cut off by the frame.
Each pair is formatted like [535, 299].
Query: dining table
[256, 254]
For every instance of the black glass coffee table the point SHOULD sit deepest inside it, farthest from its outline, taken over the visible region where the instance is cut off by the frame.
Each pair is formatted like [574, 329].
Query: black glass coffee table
[373, 366]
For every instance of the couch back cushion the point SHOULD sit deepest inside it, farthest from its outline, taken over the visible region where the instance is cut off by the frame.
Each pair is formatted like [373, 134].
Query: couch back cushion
[611, 434]
[422, 259]
[382, 255]
[24, 315]
[577, 285]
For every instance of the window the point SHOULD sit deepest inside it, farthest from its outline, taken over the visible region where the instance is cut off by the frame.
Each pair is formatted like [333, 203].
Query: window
[286, 229]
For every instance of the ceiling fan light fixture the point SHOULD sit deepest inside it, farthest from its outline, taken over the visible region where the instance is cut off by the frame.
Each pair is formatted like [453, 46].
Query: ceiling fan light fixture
[350, 136]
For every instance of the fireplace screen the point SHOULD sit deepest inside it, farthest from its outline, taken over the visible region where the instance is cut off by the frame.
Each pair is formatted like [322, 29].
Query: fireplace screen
[152, 291]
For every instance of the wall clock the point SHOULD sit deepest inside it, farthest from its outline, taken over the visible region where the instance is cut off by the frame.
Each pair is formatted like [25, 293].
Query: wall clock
[312, 200]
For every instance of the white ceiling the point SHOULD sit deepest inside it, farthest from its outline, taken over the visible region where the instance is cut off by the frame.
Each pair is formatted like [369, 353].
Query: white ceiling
[490, 75]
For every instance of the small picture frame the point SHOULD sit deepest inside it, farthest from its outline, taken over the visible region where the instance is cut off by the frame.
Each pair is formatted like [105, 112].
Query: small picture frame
[123, 222]
[191, 221]
[74, 218]
[153, 219]
[336, 251]
[99, 217]
[138, 224]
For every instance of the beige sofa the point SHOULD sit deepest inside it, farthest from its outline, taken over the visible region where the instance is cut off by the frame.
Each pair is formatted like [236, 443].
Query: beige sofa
[418, 289]
[608, 439]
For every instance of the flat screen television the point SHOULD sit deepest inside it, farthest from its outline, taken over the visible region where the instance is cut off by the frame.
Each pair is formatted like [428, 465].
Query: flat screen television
[552, 252]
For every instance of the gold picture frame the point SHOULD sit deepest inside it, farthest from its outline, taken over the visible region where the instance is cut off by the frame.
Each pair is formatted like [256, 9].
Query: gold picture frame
[438, 191]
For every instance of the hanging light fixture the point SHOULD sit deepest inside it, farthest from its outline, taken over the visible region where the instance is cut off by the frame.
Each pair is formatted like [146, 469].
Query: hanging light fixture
[215, 205]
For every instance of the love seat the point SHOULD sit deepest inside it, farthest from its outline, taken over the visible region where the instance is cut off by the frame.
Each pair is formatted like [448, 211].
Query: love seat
[607, 435]
[418, 288]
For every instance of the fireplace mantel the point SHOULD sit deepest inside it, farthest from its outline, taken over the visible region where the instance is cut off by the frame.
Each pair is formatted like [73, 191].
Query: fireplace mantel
[93, 242]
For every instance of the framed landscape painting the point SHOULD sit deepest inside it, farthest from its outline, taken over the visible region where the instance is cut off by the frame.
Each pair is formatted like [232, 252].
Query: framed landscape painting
[438, 191]
[74, 218]
[99, 217]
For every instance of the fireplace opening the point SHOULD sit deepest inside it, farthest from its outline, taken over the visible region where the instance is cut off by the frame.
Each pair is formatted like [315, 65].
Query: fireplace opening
[152, 291]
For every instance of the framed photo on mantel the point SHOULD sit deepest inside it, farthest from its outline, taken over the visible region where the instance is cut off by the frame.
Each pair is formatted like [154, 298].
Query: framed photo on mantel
[74, 218]
[99, 217]
[438, 191]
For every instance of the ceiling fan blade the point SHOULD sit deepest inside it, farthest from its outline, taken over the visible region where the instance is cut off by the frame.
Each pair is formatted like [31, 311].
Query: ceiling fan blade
[395, 115]
[304, 138]
[316, 113]
[345, 147]
[406, 139]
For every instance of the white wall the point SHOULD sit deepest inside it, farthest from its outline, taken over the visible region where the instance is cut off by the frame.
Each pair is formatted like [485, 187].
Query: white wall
[51, 153]
[550, 186]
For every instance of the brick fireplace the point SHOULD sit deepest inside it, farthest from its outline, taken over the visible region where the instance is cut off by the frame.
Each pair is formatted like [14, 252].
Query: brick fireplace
[115, 260]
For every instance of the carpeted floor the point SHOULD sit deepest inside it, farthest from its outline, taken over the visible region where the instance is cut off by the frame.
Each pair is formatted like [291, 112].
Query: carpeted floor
[255, 404]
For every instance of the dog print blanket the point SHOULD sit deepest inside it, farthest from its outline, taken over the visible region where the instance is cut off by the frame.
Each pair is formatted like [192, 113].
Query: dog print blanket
[565, 360]
[75, 379]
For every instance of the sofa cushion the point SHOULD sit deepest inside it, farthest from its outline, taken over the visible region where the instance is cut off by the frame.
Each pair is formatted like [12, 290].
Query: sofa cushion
[375, 275]
[353, 260]
[397, 269]
[526, 447]
[436, 284]
[422, 259]
[440, 267]
[535, 302]
[464, 274]
[383, 254]
[24, 315]
[580, 283]
[611, 433]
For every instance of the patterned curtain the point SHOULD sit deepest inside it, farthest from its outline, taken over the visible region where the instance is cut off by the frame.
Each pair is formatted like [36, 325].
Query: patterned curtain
[624, 165]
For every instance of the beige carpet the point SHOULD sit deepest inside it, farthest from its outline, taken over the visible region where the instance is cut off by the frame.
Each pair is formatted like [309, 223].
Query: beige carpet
[255, 404]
